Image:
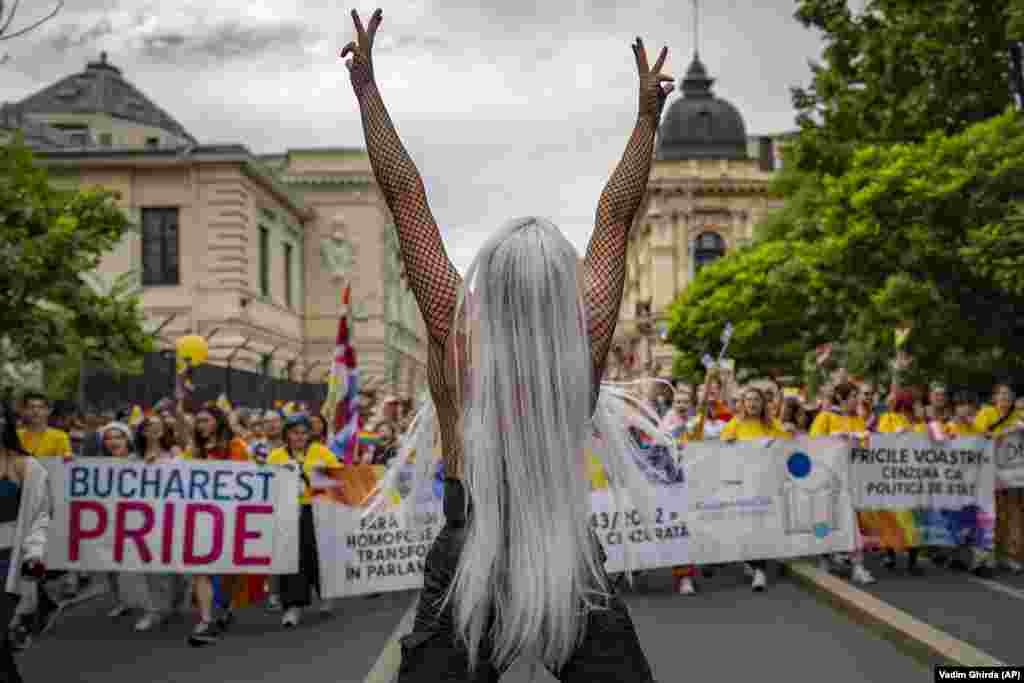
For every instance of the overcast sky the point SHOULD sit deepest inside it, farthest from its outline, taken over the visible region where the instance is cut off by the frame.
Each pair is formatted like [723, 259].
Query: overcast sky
[520, 108]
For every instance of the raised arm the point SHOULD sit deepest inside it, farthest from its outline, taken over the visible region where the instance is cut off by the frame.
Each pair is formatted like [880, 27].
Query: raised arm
[432, 277]
[605, 266]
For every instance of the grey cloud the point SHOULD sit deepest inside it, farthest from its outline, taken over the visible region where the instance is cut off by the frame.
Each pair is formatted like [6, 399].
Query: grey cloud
[410, 42]
[71, 36]
[227, 40]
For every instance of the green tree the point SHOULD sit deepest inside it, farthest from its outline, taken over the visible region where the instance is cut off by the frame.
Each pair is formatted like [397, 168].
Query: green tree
[899, 70]
[51, 241]
[928, 232]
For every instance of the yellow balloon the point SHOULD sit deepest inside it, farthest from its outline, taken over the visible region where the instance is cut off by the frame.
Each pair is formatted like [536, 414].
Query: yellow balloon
[193, 349]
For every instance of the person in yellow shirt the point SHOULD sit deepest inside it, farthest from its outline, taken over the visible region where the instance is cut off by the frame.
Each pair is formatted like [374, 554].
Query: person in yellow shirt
[845, 419]
[299, 451]
[1001, 417]
[901, 419]
[960, 424]
[755, 423]
[38, 437]
[962, 421]
[994, 421]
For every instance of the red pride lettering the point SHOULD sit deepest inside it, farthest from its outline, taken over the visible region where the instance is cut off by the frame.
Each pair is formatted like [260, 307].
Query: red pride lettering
[191, 510]
[242, 534]
[122, 534]
[77, 534]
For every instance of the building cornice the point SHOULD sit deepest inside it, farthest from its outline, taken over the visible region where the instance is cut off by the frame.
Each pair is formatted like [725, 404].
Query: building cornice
[180, 157]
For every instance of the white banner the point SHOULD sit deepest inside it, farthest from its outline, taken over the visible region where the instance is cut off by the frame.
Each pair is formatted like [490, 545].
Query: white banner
[745, 501]
[379, 553]
[911, 471]
[200, 517]
[910, 491]
[1010, 461]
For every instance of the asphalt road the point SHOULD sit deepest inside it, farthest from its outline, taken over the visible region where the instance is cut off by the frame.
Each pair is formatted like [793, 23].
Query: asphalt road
[984, 613]
[725, 633]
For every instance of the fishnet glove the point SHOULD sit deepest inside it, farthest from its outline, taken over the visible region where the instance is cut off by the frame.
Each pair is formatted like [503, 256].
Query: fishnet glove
[605, 266]
[432, 277]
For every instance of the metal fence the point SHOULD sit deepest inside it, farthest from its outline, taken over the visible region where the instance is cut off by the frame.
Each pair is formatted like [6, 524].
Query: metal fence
[103, 390]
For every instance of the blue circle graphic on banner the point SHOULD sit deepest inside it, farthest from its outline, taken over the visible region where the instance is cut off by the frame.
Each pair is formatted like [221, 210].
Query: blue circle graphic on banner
[799, 465]
[822, 530]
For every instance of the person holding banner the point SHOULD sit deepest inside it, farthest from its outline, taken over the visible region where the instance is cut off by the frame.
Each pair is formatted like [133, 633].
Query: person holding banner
[516, 355]
[161, 592]
[901, 419]
[994, 421]
[757, 423]
[712, 415]
[24, 523]
[117, 441]
[212, 439]
[300, 452]
[845, 420]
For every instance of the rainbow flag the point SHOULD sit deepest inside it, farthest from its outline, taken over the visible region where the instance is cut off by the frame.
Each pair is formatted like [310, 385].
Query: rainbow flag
[343, 394]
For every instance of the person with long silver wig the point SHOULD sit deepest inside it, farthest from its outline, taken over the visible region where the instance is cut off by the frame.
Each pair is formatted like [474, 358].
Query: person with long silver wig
[516, 356]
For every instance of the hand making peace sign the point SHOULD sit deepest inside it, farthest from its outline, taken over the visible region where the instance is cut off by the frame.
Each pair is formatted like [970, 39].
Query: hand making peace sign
[361, 65]
[653, 88]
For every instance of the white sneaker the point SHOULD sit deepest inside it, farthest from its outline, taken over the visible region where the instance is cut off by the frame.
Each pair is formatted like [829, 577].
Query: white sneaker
[291, 618]
[274, 603]
[861, 575]
[148, 621]
[759, 581]
[686, 586]
[118, 611]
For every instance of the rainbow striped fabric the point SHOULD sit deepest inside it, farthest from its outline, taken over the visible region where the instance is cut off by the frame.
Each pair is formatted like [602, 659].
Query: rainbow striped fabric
[343, 392]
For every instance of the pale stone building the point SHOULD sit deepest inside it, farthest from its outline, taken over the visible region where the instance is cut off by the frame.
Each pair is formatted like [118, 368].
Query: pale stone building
[708, 188]
[249, 250]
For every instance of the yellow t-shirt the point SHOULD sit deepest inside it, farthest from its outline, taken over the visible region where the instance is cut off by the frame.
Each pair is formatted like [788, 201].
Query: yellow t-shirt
[52, 443]
[749, 430]
[957, 428]
[317, 455]
[827, 424]
[989, 415]
[890, 423]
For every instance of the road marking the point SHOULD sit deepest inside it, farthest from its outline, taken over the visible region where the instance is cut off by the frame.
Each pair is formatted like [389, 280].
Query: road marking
[999, 587]
[386, 668]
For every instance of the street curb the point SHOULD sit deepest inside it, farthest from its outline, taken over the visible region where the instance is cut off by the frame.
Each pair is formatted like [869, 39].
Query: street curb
[385, 670]
[922, 641]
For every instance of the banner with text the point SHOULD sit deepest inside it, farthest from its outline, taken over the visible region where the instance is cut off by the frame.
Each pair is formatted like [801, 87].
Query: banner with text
[731, 502]
[381, 552]
[911, 491]
[189, 516]
[1010, 461]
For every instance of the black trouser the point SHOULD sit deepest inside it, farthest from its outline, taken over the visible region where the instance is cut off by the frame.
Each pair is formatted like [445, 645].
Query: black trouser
[8, 667]
[432, 653]
[297, 589]
[912, 554]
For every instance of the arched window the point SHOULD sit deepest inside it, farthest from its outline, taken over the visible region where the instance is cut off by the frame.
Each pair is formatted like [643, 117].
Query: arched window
[708, 247]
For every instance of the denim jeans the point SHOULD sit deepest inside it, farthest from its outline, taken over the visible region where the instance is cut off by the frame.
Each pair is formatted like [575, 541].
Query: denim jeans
[432, 653]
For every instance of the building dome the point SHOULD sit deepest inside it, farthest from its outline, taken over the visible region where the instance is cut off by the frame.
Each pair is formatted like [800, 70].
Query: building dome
[101, 89]
[699, 125]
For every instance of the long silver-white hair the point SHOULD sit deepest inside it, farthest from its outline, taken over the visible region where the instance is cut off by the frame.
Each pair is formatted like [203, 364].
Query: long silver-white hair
[529, 570]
